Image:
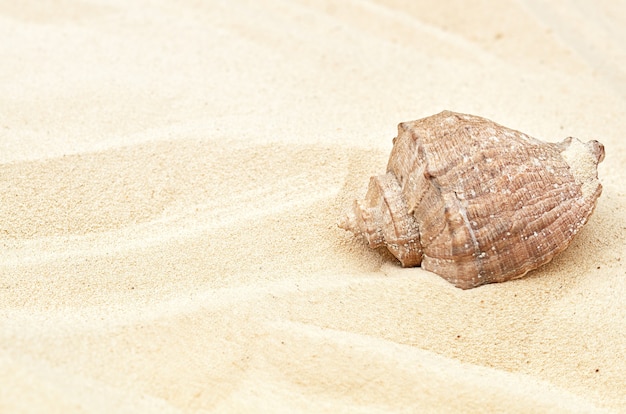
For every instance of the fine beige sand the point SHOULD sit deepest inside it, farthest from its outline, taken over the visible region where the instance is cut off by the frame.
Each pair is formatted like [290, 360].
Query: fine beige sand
[171, 175]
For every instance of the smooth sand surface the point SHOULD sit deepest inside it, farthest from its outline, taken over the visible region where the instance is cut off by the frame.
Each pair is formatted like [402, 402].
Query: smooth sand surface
[171, 176]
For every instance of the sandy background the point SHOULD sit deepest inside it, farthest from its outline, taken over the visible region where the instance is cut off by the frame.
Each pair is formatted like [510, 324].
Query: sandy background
[170, 178]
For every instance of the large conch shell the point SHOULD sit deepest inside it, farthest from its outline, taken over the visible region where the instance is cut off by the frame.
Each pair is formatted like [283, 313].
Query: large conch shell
[476, 202]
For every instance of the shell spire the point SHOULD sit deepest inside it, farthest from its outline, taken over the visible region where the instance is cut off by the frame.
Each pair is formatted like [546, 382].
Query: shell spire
[476, 202]
[383, 220]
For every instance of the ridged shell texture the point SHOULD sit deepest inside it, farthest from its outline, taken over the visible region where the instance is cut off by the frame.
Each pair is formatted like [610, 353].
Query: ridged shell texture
[476, 202]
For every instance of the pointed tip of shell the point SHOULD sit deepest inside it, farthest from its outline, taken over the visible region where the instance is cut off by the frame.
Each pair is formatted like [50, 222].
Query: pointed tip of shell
[345, 222]
[348, 222]
[597, 150]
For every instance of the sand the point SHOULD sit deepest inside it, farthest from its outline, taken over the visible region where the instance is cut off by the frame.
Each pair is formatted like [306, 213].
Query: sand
[171, 175]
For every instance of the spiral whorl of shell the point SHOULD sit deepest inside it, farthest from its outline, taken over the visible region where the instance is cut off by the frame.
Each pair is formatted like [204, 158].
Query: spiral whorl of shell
[383, 219]
[476, 202]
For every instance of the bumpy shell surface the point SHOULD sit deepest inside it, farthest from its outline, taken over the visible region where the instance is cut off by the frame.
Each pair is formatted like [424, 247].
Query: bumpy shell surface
[476, 202]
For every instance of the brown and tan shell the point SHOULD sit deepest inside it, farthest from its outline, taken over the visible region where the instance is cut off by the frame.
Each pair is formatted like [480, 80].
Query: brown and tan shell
[476, 202]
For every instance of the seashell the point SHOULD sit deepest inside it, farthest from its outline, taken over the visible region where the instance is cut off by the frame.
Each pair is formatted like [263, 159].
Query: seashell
[476, 202]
